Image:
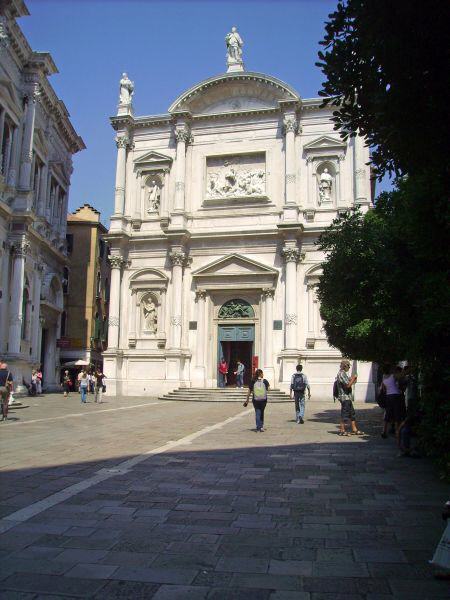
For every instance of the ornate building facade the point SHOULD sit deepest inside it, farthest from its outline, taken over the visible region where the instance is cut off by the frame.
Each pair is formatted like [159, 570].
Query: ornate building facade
[218, 207]
[37, 141]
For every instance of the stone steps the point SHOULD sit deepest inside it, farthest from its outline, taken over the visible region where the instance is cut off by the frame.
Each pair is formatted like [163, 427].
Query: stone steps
[219, 395]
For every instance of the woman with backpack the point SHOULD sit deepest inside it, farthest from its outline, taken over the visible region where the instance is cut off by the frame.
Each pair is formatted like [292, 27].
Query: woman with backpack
[259, 388]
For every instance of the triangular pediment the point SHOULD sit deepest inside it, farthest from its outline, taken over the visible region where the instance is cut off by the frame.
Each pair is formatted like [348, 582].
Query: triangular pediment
[153, 158]
[325, 142]
[234, 265]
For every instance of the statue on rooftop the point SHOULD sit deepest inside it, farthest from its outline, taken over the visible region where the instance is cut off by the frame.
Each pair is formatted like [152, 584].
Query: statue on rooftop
[234, 48]
[126, 90]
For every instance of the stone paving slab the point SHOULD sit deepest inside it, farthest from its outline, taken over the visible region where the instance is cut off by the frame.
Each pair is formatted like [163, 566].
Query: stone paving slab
[227, 513]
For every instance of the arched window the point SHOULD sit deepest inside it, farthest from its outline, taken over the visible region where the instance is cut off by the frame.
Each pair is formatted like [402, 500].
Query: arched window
[99, 285]
[106, 290]
[236, 309]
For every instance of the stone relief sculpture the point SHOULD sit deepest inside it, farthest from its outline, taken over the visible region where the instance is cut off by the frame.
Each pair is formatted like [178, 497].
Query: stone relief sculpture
[236, 309]
[325, 186]
[126, 90]
[150, 314]
[234, 47]
[236, 178]
[153, 195]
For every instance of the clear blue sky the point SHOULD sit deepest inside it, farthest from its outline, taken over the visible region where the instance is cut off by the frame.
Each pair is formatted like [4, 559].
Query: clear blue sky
[165, 47]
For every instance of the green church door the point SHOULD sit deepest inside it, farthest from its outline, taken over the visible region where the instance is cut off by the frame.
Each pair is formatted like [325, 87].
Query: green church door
[236, 342]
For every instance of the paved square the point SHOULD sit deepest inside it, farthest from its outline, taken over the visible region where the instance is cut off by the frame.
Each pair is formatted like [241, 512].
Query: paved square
[140, 498]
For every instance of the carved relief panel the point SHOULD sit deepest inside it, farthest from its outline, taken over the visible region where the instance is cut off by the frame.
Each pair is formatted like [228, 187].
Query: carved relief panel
[239, 176]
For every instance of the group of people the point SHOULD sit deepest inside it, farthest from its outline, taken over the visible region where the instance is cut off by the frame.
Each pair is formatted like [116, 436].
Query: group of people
[223, 373]
[93, 382]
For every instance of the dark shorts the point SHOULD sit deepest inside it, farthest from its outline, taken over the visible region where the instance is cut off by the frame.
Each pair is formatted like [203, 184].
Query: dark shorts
[347, 410]
[395, 408]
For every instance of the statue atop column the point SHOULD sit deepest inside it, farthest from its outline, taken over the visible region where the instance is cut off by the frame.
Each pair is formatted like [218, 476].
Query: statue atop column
[234, 51]
[126, 91]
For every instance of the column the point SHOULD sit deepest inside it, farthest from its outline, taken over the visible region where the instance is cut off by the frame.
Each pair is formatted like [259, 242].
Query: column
[114, 302]
[183, 137]
[177, 256]
[2, 128]
[290, 128]
[12, 172]
[200, 296]
[310, 292]
[4, 300]
[36, 312]
[27, 142]
[268, 294]
[360, 170]
[291, 255]
[122, 143]
[21, 249]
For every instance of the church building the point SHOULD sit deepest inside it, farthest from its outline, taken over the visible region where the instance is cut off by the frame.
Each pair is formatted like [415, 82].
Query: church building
[219, 204]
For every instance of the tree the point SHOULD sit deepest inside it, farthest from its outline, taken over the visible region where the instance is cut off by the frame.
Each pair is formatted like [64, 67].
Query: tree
[385, 289]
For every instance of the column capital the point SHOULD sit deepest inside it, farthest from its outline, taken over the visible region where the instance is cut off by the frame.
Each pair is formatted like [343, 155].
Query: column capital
[268, 292]
[200, 295]
[116, 261]
[21, 248]
[183, 134]
[290, 123]
[177, 257]
[122, 141]
[292, 254]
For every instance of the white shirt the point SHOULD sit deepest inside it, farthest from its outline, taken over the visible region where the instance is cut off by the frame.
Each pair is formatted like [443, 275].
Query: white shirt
[391, 385]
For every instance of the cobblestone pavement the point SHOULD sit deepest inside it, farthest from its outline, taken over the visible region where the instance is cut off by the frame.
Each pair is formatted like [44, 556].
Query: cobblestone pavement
[139, 498]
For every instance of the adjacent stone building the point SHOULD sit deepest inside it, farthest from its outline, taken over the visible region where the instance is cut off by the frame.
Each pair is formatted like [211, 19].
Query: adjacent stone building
[37, 141]
[84, 321]
[218, 206]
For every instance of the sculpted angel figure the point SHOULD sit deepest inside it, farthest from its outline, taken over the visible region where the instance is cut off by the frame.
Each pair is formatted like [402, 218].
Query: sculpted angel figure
[126, 90]
[234, 46]
[150, 315]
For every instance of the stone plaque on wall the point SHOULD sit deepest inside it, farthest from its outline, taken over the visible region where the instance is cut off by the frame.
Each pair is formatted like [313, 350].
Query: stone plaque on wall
[236, 176]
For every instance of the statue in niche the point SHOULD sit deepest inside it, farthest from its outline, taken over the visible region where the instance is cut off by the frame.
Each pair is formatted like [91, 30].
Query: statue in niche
[325, 186]
[150, 315]
[153, 196]
[234, 47]
[126, 90]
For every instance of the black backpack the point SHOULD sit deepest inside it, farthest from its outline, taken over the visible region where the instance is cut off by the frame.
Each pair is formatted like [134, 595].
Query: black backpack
[335, 390]
[299, 384]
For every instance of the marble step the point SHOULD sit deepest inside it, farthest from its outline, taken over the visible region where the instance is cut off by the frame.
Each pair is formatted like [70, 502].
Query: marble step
[218, 395]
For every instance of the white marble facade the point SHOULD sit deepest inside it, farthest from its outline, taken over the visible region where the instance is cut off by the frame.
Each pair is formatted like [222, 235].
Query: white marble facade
[222, 199]
[37, 142]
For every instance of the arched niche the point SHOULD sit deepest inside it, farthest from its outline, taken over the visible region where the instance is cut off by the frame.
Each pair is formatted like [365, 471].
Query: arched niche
[149, 303]
[147, 286]
[153, 186]
[325, 173]
[314, 321]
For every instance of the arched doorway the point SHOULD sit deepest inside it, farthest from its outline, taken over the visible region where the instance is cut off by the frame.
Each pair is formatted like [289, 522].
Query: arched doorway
[236, 340]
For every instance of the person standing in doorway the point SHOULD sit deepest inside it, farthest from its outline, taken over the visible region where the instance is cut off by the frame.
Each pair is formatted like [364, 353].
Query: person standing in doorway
[223, 371]
[299, 385]
[345, 397]
[240, 370]
[259, 388]
[6, 387]
[83, 382]
[39, 381]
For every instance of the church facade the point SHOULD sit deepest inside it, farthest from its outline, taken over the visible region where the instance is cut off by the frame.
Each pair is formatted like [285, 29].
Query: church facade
[219, 204]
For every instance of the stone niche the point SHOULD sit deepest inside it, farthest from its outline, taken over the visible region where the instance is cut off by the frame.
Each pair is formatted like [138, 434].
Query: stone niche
[237, 178]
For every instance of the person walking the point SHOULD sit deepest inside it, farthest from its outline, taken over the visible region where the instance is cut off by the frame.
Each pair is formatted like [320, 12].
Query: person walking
[66, 383]
[83, 381]
[299, 385]
[223, 371]
[240, 370]
[395, 400]
[99, 380]
[258, 388]
[345, 397]
[6, 387]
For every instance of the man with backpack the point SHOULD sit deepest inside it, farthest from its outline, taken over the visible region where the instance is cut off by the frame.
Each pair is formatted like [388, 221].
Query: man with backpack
[299, 384]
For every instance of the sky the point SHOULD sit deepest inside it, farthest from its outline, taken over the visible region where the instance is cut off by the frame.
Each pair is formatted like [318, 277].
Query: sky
[165, 47]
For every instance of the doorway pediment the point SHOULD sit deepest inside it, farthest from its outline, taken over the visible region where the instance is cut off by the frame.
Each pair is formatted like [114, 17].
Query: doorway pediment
[234, 271]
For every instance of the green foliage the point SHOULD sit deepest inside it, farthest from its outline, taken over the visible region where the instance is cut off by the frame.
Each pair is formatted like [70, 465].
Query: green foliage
[385, 289]
[386, 66]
